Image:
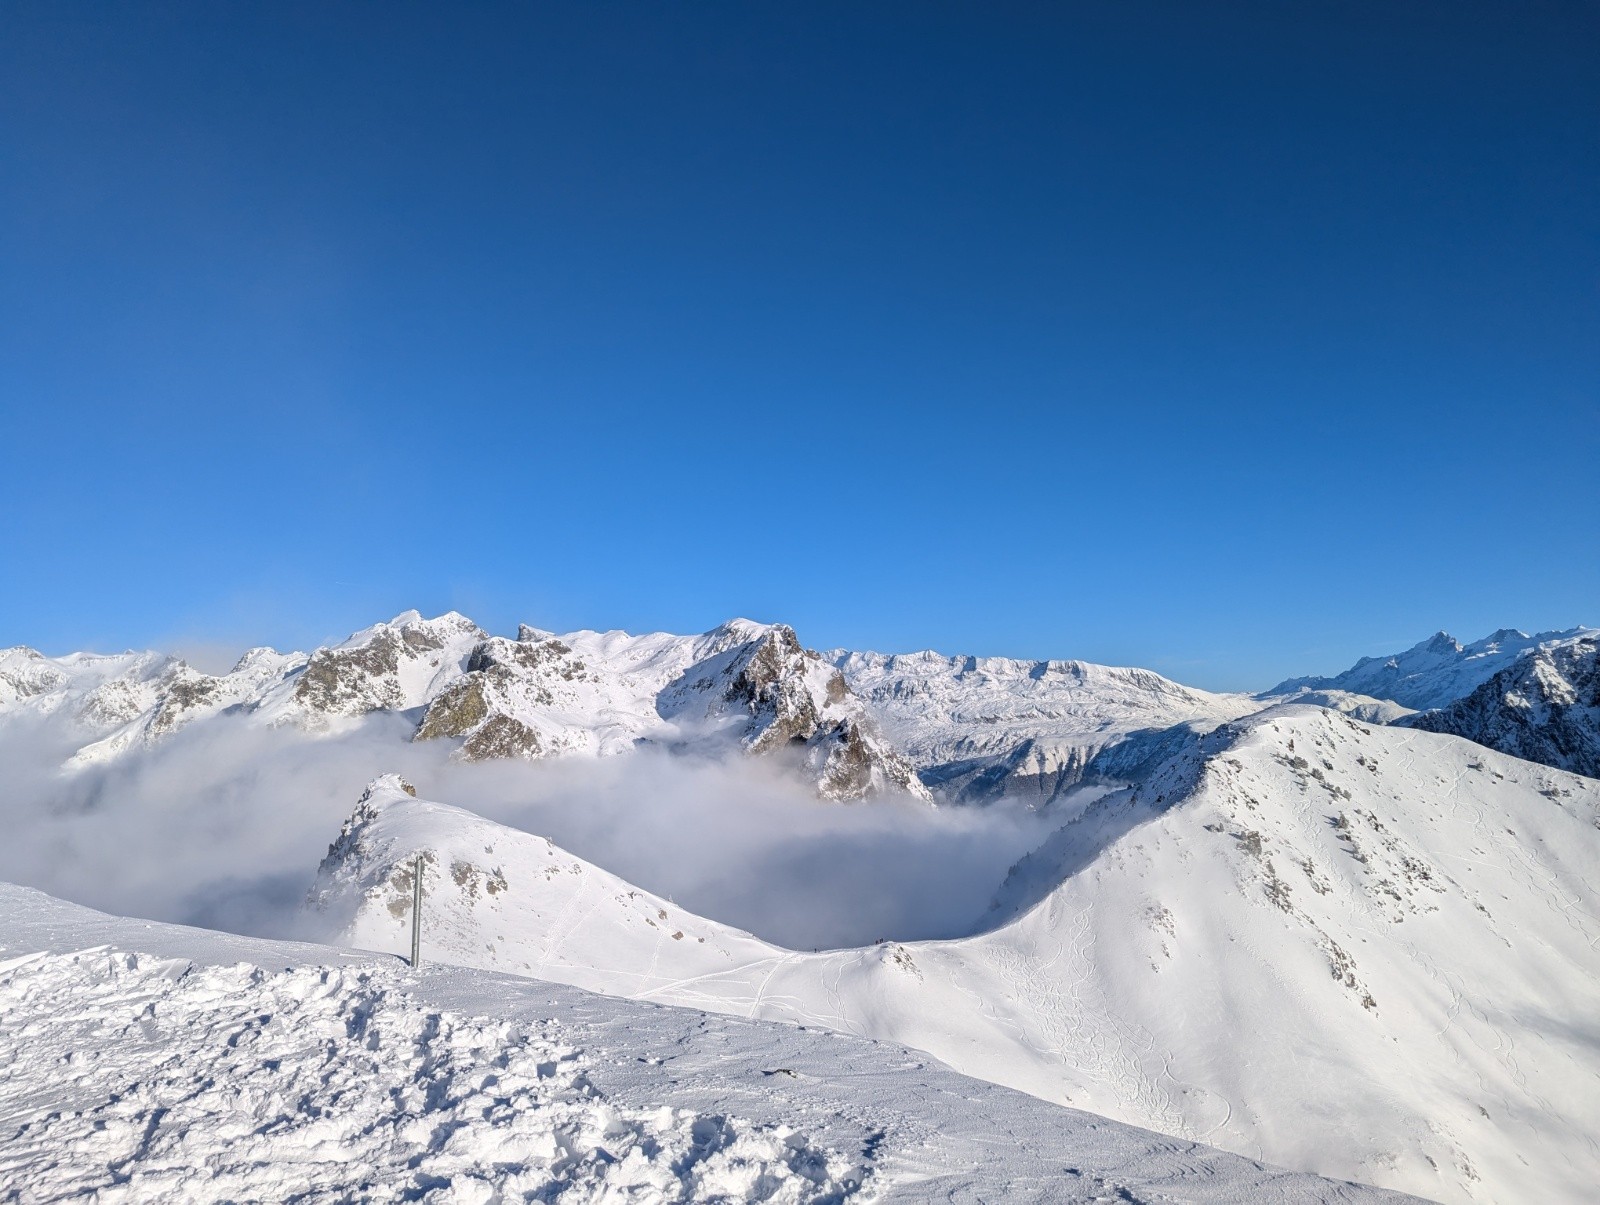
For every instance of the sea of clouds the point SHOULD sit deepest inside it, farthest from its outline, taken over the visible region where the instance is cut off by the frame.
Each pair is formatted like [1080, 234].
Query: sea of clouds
[222, 824]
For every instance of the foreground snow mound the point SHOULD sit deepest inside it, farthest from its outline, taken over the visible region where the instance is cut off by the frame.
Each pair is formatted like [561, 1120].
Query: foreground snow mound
[1435, 671]
[1544, 707]
[134, 1078]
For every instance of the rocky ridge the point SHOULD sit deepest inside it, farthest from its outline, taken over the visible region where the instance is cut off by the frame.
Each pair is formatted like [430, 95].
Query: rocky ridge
[1433, 672]
[1544, 707]
[743, 685]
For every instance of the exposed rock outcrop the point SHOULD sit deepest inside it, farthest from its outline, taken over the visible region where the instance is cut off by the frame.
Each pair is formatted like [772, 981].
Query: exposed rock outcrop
[1544, 707]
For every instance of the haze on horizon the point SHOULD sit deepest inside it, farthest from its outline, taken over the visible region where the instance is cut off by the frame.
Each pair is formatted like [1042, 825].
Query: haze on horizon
[1235, 343]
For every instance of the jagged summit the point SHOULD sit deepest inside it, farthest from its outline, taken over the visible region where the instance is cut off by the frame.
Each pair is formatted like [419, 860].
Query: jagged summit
[1433, 672]
[1544, 707]
[741, 685]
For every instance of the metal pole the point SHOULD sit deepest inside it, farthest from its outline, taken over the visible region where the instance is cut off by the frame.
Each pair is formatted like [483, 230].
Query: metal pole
[416, 913]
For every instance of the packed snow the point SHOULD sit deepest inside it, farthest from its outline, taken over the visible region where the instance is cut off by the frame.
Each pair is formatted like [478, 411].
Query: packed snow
[145, 1062]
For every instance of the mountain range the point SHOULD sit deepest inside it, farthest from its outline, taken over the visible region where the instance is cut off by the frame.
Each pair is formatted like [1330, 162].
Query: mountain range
[967, 729]
[1348, 925]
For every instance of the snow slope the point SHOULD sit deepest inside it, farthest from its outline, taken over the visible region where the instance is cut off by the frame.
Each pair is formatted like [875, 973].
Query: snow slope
[149, 1062]
[1436, 671]
[507, 900]
[1544, 707]
[1362, 951]
[981, 728]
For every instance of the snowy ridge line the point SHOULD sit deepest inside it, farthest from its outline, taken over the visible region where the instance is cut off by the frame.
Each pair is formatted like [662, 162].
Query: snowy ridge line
[1543, 707]
[858, 724]
[209, 1068]
[1436, 671]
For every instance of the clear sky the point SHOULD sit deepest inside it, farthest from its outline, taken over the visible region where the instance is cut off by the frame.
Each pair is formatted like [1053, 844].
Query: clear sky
[1234, 340]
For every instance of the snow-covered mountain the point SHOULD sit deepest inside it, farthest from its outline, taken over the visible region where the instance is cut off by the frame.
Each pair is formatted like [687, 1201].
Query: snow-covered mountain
[1544, 706]
[980, 728]
[971, 729]
[1404, 920]
[1435, 671]
[148, 1062]
[1404, 925]
[968, 729]
[743, 684]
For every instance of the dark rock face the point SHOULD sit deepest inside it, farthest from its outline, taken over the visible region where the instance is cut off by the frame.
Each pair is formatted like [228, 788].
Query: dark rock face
[784, 697]
[456, 710]
[353, 681]
[795, 698]
[1544, 708]
[771, 683]
[185, 691]
[501, 677]
[502, 736]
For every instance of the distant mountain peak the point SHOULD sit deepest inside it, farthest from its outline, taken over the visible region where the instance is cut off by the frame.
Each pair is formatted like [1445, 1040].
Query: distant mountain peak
[1433, 672]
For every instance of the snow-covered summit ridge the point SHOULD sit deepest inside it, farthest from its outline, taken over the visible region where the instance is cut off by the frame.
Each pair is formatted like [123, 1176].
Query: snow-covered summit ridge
[964, 728]
[1544, 706]
[501, 898]
[1435, 671]
[981, 727]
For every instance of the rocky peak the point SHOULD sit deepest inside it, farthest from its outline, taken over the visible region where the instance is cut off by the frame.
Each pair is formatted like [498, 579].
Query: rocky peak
[505, 684]
[390, 666]
[780, 695]
[1543, 707]
[26, 672]
[348, 853]
[1441, 642]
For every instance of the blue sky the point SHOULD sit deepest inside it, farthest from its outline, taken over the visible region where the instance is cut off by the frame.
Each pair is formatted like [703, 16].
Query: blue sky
[1232, 340]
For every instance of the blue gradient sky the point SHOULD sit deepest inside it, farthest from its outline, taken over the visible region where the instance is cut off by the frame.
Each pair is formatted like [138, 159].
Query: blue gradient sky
[1232, 340]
